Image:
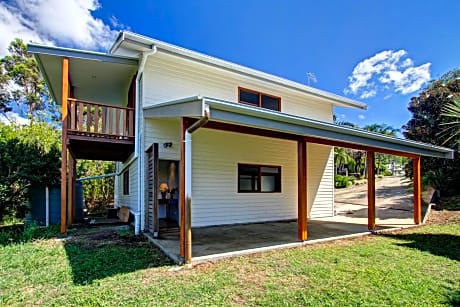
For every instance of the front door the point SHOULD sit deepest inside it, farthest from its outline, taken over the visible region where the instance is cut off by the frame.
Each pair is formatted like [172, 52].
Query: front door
[168, 193]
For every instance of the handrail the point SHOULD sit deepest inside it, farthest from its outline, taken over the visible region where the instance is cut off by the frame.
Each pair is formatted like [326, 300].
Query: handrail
[99, 103]
[89, 118]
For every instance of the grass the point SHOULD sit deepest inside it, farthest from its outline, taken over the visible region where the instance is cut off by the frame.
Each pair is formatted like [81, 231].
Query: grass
[412, 267]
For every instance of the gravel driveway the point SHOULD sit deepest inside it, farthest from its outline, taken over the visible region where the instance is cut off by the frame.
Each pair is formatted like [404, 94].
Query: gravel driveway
[393, 200]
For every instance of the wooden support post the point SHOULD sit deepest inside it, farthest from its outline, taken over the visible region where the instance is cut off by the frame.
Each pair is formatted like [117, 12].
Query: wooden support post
[70, 190]
[417, 191]
[302, 190]
[370, 190]
[182, 189]
[74, 187]
[65, 91]
[156, 184]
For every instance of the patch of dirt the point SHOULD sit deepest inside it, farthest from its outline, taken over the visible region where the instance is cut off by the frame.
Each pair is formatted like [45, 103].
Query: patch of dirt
[447, 212]
[103, 235]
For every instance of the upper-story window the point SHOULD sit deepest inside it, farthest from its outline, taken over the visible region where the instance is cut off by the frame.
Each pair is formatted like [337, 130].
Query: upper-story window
[259, 99]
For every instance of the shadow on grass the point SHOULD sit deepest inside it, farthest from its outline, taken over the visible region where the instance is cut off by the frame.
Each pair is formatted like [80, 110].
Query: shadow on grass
[453, 297]
[102, 255]
[445, 245]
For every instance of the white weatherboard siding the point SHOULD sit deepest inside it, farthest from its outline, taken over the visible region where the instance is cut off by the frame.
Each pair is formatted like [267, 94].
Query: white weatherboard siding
[215, 158]
[131, 199]
[320, 180]
[167, 77]
[163, 131]
[215, 197]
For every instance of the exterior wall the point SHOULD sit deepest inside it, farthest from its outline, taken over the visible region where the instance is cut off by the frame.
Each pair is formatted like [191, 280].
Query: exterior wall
[163, 131]
[215, 175]
[131, 199]
[168, 77]
[215, 197]
[320, 180]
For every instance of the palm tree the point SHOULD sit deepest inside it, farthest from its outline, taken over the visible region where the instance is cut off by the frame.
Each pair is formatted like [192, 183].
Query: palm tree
[382, 129]
[341, 158]
[451, 110]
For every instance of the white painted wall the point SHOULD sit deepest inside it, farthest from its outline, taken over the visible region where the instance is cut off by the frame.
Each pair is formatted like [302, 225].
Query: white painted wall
[169, 77]
[217, 153]
[131, 199]
[215, 197]
[320, 180]
[163, 131]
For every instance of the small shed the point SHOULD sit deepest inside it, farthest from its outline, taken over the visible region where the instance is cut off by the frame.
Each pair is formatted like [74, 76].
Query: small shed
[45, 204]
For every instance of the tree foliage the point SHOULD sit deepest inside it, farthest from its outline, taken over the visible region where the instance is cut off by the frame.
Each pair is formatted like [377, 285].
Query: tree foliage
[29, 155]
[21, 69]
[451, 111]
[98, 193]
[429, 123]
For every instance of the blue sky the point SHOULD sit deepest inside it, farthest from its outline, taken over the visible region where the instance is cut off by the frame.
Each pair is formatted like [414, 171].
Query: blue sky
[378, 52]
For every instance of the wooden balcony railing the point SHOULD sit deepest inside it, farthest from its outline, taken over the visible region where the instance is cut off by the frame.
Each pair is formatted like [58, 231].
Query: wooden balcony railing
[99, 120]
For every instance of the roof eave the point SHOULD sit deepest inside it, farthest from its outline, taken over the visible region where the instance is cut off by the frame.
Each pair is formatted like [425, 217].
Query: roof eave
[273, 120]
[80, 54]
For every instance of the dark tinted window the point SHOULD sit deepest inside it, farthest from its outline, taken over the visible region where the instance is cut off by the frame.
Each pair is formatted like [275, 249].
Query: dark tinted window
[259, 99]
[249, 97]
[126, 182]
[256, 178]
[271, 103]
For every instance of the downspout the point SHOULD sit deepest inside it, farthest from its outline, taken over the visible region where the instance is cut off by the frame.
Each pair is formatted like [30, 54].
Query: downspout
[188, 181]
[139, 132]
[188, 150]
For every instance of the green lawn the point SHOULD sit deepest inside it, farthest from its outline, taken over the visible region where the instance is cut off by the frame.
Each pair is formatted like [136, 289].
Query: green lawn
[413, 267]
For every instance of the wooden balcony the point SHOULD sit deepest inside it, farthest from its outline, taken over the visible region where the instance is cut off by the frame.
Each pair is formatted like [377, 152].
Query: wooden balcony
[99, 131]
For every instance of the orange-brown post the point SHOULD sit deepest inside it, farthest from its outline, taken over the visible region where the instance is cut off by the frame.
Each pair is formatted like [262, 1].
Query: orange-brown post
[65, 91]
[302, 190]
[370, 190]
[70, 190]
[417, 191]
[74, 187]
[182, 189]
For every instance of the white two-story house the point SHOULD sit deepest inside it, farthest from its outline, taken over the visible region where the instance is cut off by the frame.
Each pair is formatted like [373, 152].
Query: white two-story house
[201, 141]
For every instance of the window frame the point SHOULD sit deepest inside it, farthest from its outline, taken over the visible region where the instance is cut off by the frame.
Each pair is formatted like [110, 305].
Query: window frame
[277, 176]
[126, 182]
[260, 94]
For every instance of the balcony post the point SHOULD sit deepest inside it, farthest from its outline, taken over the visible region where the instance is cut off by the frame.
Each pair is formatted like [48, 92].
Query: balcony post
[65, 92]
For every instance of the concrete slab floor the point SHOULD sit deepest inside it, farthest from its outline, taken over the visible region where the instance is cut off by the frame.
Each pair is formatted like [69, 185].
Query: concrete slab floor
[394, 209]
[234, 239]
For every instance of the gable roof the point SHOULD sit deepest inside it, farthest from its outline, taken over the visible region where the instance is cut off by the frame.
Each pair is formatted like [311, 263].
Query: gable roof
[132, 44]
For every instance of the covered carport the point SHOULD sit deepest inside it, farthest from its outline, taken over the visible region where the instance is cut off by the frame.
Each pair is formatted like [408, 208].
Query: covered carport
[197, 112]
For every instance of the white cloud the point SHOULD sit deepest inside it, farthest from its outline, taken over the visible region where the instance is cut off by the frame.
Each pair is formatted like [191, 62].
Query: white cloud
[361, 116]
[388, 70]
[12, 117]
[69, 23]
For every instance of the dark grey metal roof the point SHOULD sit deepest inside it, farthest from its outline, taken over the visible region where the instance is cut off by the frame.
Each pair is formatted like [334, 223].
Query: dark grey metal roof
[231, 112]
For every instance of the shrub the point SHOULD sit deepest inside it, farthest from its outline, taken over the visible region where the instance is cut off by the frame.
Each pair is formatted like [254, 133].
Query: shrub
[28, 155]
[387, 173]
[341, 181]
